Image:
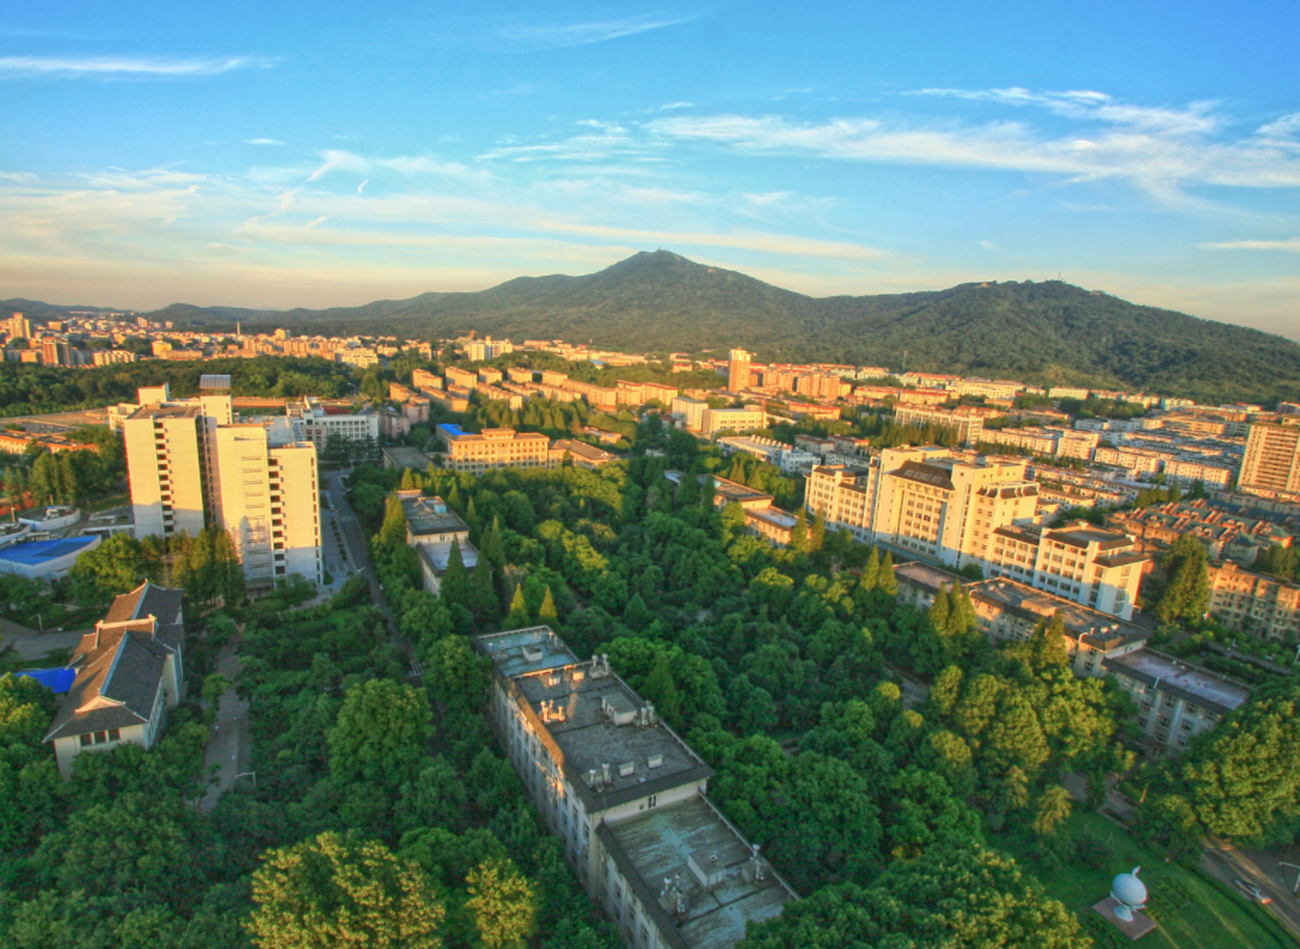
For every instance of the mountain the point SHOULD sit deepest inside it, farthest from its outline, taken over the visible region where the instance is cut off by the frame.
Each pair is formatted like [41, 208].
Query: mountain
[1049, 332]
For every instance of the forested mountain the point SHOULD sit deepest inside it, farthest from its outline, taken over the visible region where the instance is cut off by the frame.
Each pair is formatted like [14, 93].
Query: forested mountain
[1049, 332]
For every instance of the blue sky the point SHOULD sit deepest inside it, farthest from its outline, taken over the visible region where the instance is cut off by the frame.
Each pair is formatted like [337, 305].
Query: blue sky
[290, 154]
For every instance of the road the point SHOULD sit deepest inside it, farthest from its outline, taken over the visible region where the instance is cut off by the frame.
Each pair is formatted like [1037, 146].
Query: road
[230, 742]
[1260, 867]
[32, 645]
[354, 540]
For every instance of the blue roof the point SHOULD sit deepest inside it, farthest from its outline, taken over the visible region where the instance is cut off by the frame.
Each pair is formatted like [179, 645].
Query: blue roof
[43, 551]
[58, 680]
[455, 431]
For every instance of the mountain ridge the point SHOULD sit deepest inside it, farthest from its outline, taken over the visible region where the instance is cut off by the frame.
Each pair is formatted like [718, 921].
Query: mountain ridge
[1046, 332]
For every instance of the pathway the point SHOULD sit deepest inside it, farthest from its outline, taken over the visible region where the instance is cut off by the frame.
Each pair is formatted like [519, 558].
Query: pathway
[230, 742]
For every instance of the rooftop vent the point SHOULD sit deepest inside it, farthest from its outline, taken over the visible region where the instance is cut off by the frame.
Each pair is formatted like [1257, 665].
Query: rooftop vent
[533, 653]
[655, 761]
[627, 769]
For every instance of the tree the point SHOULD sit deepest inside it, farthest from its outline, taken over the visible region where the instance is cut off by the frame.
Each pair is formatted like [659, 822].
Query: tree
[1053, 810]
[335, 891]
[817, 537]
[44, 480]
[483, 592]
[547, 614]
[1187, 590]
[381, 734]
[799, 540]
[455, 585]
[393, 531]
[662, 690]
[888, 583]
[503, 904]
[518, 616]
[456, 675]
[114, 567]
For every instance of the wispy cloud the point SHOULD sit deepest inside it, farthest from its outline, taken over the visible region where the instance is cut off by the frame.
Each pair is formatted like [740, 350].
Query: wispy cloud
[262, 141]
[15, 67]
[564, 35]
[1290, 245]
[1164, 151]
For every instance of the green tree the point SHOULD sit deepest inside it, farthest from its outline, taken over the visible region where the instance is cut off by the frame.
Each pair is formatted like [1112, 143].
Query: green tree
[518, 617]
[335, 891]
[455, 586]
[503, 904]
[114, 567]
[381, 734]
[1053, 810]
[393, 531]
[1187, 589]
[660, 688]
[888, 583]
[547, 614]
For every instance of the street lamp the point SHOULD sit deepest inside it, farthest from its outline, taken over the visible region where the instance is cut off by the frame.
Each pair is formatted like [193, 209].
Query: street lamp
[1295, 889]
[40, 622]
[248, 774]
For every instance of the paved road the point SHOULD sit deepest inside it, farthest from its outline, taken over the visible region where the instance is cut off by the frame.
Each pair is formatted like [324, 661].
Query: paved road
[354, 540]
[32, 645]
[1260, 867]
[230, 744]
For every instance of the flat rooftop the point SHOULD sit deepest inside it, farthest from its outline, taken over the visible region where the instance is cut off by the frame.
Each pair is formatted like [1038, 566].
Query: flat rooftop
[431, 515]
[923, 575]
[660, 844]
[588, 739]
[165, 411]
[1191, 683]
[1082, 622]
[38, 552]
[404, 456]
[506, 650]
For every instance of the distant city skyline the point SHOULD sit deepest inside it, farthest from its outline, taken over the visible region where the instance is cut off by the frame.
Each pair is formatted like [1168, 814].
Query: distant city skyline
[314, 156]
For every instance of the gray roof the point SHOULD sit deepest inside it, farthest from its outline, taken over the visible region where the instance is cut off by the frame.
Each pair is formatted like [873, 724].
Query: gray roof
[432, 516]
[150, 600]
[121, 672]
[933, 475]
[659, 844]
[1190, 683]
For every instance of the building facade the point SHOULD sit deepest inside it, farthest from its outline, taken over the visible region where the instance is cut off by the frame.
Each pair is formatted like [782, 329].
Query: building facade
[498, 448]
[1255, 603]
[1271, 463]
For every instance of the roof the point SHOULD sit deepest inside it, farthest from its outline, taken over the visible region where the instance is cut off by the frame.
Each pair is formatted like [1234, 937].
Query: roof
[211, 381]
[403, 456]
[659, 845]
[1084, 536]
[920, 472]
[431, 516]
[120, 675]
[1188, 682]
[924, 576]
[37, 552]
[582, 450]
[437, 554]
[148, 599]
[1097, 629]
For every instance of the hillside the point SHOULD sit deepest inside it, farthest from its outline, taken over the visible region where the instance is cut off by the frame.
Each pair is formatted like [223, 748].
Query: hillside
[1049, 332]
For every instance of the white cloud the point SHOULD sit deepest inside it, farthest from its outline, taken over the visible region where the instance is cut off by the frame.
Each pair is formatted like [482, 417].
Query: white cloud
[12, 67]
[1291, 245]
[262, 141]
[989, 245]
[562, 35]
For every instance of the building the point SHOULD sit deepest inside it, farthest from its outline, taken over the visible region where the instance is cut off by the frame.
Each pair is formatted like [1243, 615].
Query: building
[402, 457]
[130, 672]
[1222, 530]
[46, 559]
[969, 426]
[738, 371]
[318, 425]
[18, 327]
[689, 412]
[582, 454]
[626, 797]
[845, 495]
[431, 528]
[1176, 700]
[769, 450]
[1101, 569]
[1008, 611]
[716, 421]
[191, 467]
[762, 518]
[1271, 463]
[1255, 603]
[109, 357]
[496, 448]
[268, 499]
[56, 352]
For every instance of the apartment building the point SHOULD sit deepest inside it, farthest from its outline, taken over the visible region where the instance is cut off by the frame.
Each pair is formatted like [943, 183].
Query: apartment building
[427, 381]
[769, 450]
[1176, 700]
[627, 798]
[431, 528]
[689, 412]
[969, 426]
[846, 495]
[18, 327]
[1033, 440]
[1221, 528]
[738, 370]
[496, 448]
[1073, 444]
[1255, 603]
[714, 421]
[1101, 569]
[762, 518]
[191, 467]
[1271, 463]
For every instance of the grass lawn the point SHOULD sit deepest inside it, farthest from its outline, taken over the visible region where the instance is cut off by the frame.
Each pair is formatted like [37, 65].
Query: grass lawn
[1211, 917]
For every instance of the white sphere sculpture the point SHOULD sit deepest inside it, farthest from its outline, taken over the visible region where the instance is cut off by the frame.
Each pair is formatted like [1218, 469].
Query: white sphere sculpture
[1129, 892]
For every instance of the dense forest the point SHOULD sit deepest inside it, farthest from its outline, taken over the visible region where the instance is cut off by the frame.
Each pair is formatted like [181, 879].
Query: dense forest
[1048, 332]
[28, 389]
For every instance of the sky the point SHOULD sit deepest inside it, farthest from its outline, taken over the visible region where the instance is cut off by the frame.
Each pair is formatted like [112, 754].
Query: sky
[313, 154]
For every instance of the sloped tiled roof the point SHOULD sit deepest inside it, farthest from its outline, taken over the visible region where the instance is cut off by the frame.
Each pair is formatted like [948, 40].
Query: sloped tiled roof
[121, 673]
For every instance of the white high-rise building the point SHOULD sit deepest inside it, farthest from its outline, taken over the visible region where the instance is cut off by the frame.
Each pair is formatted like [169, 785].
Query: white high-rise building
[191, 467]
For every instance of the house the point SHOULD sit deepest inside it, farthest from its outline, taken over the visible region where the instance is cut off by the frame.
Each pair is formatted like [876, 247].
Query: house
[130, 672]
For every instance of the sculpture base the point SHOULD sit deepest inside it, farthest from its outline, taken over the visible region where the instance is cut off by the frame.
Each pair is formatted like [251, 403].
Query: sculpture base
[1134, 928]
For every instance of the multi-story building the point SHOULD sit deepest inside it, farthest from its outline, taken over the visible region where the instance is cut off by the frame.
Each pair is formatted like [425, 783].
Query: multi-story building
[969, 426]
[432, 528]
[1100, 569]
[427, 381]
[1255, 603]
[1033, 440]
[18, 327]
[846, 495]
[191, 467]
[109, 357]
[1176, 700]
[738, 371]
[269, 499]
[129, 673]
[56, 352]
[626, 797]
[769, 450]
[1008, 611]
[1271, 463]
[1072, 444]
[762, 518]
[583, 455]
[1222, 530]
[715, 421]
[689, 411]
[496, 448]
[318, 425]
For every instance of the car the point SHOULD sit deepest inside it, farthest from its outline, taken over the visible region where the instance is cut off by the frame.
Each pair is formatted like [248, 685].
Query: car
[1254, 892]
